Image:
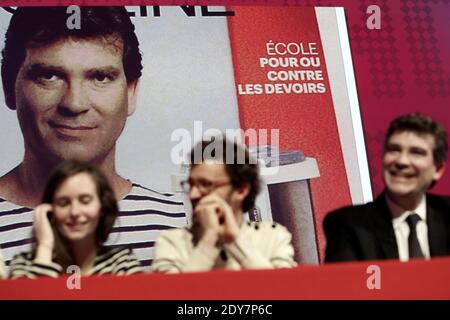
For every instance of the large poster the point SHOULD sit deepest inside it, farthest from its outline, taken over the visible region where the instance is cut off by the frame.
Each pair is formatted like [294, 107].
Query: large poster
[284, 73]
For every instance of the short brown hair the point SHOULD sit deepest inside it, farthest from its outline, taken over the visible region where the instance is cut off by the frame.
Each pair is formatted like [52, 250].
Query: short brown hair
[39, 26]
[240, 167]
[421, 124]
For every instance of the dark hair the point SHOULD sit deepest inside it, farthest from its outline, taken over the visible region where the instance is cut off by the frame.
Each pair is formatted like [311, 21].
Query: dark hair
[38, 26]
[421, 124]
[108, 210]
[239, 165]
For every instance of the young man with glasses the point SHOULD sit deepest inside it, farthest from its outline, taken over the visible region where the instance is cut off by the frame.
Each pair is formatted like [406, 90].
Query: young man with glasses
[219, 238]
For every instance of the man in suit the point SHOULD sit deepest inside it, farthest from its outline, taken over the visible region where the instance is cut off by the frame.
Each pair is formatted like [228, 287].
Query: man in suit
[404, 222]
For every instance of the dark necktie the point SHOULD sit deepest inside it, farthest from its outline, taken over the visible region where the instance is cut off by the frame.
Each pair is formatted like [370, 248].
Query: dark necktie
[413, 242]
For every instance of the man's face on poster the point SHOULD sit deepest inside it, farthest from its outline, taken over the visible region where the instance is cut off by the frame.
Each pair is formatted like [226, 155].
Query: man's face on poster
[72, 98]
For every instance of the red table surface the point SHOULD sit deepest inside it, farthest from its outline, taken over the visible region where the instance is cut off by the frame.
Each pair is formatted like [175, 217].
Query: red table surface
[412, 280]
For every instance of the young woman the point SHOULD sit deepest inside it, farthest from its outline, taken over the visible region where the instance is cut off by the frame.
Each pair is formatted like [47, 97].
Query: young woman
[70, 226]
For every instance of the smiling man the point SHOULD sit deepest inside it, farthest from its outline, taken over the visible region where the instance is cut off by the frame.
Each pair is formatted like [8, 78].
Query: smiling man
[73, 91]
[404, 222]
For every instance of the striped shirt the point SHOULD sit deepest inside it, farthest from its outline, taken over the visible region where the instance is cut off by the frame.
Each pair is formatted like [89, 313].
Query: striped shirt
[117, 261]
[144, 213]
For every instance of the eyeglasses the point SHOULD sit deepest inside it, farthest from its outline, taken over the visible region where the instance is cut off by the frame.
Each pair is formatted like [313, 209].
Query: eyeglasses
[203, 186]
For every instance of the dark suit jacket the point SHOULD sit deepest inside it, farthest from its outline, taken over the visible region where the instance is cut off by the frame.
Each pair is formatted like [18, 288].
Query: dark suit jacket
[365, 232]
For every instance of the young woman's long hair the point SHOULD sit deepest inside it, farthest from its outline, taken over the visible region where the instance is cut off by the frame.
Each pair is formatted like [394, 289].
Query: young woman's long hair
[108, 209]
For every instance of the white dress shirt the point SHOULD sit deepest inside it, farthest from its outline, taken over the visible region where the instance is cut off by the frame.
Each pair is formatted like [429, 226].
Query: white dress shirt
[401, 228]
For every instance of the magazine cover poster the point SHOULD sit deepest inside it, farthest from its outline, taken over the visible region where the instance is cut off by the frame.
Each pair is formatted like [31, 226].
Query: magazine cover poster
[281, 74]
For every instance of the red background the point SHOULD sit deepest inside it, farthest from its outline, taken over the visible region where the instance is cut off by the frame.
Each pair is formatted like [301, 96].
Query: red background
[333, 281]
